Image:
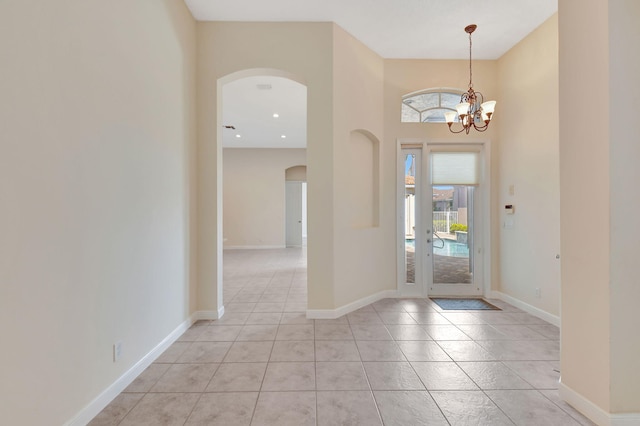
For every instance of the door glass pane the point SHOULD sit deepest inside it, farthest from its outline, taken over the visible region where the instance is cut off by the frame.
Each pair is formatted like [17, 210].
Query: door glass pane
[452, 237]
[410, 216]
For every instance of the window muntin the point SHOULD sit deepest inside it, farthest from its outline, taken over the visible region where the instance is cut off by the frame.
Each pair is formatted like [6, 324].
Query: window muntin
[429, 106]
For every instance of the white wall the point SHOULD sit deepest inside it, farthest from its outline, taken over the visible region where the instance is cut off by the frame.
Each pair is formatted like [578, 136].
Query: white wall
[527, 120]
[97, 125]
[254, 195]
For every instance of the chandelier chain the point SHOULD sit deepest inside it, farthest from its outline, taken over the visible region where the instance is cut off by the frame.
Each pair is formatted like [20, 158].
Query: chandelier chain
[472, 111]
[470, 69]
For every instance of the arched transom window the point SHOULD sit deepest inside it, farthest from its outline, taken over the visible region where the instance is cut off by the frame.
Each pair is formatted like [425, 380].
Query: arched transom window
[429, 106]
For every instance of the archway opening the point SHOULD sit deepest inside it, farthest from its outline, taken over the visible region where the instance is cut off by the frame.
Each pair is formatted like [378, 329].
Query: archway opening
[262, 118]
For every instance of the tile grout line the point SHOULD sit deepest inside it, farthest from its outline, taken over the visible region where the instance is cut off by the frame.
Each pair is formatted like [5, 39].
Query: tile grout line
[366, 375]
[390, 318]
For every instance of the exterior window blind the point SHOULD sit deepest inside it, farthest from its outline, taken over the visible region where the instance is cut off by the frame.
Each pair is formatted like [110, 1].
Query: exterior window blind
[455, 168]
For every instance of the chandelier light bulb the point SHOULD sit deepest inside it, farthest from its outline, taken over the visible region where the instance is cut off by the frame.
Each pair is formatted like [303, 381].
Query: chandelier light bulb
[463, 108]
[488, 107]
[450, 117]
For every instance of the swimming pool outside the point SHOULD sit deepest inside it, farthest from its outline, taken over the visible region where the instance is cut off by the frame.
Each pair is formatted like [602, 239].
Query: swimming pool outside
[451, 248]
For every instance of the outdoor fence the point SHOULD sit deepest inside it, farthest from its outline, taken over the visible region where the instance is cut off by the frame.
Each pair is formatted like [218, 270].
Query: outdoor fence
[443, 220]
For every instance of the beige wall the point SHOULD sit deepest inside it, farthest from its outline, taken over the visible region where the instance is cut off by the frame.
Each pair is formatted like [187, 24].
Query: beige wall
[584, 205]
[599, 178]
[305, 52]
[363, 182]
[527, 119]
[98, 132]
[297, 173]
[403, 76]
[624, 153]
[349, 89]
[96, 140]
[344, 88]
[254, 195]
[363, 249]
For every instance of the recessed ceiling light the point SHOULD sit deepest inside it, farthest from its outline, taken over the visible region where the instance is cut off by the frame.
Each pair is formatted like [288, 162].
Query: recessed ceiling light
[276, 115]
[238, 136]
[283, 136]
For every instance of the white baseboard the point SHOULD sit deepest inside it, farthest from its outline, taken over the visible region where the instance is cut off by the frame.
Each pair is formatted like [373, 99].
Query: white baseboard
[625, 419]
[595, 413]
[108, 395]
[550, 318]
[350, 307]
[253, 247]
[209, 315]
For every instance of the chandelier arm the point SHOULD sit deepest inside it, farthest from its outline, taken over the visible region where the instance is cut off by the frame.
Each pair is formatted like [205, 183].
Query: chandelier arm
[481, 128]
[459, 131]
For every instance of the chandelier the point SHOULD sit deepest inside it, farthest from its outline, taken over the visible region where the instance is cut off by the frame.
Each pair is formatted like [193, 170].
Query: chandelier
[472, 110]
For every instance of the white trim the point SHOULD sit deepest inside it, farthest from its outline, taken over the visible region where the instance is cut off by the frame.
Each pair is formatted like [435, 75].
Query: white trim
[625, 419]
[583, 405]
[485, 205]
[208, 315]
[595, 413]
[350, 307]
[418, 288]
[480, 216]
[254, 247]
[550, 318]
[113, 390]
[400, 219]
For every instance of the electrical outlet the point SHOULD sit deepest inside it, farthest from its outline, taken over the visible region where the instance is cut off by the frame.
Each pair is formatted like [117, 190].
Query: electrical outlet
[538, 292]
[117, 351]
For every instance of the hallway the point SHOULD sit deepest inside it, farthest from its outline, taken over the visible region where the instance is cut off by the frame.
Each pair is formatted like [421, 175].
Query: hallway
[395, 362]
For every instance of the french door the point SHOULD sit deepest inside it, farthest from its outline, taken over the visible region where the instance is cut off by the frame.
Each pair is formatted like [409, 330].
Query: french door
[441, 229]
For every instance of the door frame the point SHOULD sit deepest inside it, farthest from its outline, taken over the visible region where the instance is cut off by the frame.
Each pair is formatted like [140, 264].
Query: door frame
[483, 252]
[417, 289]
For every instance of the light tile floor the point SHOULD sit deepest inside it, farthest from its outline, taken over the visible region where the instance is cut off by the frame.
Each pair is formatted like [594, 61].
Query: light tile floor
[395, 362]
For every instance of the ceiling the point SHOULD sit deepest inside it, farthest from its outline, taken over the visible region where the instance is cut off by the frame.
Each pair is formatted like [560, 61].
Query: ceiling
[400, 28]
[418, 29]
[249, 104]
